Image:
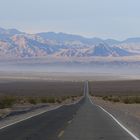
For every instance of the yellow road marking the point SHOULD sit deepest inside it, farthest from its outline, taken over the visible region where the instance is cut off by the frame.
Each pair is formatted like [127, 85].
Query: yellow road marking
[69, 121]
[61, 134]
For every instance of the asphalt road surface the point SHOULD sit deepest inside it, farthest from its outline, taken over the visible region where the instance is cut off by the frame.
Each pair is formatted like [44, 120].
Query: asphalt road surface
[92, 123]
[81, 121]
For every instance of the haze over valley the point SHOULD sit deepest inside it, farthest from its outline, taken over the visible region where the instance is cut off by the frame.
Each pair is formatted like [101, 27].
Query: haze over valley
[51, 52]
[69, 70]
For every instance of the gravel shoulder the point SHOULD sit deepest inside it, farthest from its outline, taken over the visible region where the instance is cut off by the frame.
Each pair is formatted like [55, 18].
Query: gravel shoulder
[127, 114]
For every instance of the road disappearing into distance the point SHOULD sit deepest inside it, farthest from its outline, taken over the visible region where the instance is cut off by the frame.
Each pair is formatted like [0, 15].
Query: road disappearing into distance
[83, 120]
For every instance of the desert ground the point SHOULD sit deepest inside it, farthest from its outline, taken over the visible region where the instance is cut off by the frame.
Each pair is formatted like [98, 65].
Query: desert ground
[71, 84]
[41, 88]
[127, 113]
[119, 88]
[20, 95]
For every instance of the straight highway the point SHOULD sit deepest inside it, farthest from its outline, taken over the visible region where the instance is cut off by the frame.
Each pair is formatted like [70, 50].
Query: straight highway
[81, 121]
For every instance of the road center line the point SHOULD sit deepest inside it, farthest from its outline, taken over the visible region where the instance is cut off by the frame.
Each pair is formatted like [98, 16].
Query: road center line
[61, 134]
[21, 120]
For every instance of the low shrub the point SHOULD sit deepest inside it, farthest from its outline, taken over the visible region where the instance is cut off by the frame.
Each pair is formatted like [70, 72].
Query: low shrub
[6, 102]
[43, 100]
[51, 100]
[123, 99]
[32, 101]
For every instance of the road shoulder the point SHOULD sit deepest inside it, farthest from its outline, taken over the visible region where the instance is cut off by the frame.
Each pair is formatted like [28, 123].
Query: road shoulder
[127, 114]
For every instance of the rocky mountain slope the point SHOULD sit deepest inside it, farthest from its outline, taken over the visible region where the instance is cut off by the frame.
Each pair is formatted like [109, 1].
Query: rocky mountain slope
[16, 44]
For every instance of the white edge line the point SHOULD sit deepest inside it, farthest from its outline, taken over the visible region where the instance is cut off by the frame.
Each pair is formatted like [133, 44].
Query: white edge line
[128, 131]
[30, 117]
[121, 125]
[40, 113]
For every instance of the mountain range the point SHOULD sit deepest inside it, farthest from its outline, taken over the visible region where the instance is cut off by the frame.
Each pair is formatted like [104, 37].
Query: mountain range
[17, 44]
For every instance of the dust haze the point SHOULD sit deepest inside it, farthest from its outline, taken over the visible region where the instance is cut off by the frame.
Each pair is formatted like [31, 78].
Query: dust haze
[68, 71]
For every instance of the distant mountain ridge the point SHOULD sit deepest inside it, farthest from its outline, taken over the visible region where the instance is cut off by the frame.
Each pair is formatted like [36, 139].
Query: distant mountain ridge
[14, 43]
[61, 37]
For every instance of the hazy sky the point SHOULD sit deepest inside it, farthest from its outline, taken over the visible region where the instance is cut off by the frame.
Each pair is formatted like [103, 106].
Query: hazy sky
[101, 18]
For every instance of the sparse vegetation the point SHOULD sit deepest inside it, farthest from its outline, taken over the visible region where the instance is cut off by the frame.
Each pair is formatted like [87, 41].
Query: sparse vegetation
[32, 101]
[35, 92]
[43, 100]
[7, 101]
[122, 99]
[127, 92]
[51, 100]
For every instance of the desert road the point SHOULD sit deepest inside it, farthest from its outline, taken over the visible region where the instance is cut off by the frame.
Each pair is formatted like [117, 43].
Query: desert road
[81, 121]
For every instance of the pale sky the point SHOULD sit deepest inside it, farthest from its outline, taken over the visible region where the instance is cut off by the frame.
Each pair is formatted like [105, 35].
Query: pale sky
[117, 19]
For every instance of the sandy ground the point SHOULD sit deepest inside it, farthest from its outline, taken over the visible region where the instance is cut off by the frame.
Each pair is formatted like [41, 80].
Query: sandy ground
[127, 114]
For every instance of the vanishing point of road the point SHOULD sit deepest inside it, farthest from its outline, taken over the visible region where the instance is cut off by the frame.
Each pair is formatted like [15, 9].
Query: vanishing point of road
[81, 121]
